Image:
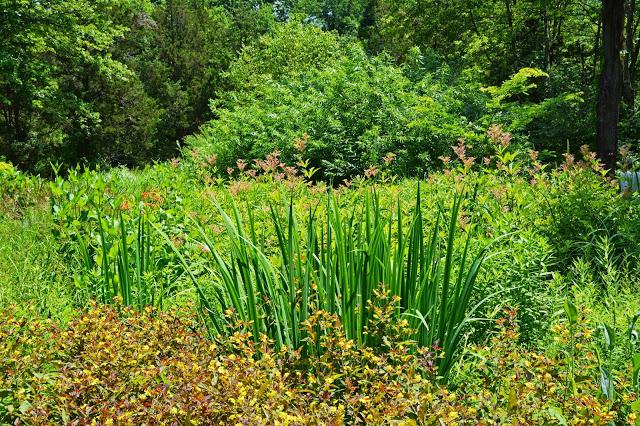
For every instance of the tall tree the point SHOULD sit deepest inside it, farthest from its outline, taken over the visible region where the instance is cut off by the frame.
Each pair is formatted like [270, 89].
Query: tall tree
[632, 49]
[611, 78]
[48, 49]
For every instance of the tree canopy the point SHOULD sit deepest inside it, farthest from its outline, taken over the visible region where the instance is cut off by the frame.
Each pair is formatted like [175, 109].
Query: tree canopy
[128, 81]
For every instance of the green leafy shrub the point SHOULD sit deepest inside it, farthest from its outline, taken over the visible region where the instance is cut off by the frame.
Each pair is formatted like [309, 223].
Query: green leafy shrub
[509, 382]
[284, 52]
[32, 274]
[581, 207]
[109, 240]
[352, 109]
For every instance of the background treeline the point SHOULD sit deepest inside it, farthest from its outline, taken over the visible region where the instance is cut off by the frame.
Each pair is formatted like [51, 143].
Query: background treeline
[112, 81]
[123, 81]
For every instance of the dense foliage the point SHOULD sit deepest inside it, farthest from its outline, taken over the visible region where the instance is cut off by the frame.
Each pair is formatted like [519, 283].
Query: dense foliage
[312, 305]
[351, 110]
[319, 212]
[115, 82]
[124, 82]
[164, 372]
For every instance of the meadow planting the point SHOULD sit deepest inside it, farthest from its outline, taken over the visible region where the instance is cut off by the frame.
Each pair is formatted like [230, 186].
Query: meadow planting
[319, 212]
[170, 295]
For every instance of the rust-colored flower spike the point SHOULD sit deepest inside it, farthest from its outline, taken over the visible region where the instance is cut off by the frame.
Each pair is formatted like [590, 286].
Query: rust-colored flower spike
[498, 136]
[290, 171]
[468, 162]
[241, 164]
[493, 131]
[506, 140]
[271, 163]
[204, 248]
[569, 161]
[178, 241]
[237, 187]
[460, 150]
[175, 162]
[300, 145]
[388, 159]
[587, 154]
[445, 159]
[499, 192]
[317, 189]
[371, 172]
[624, 151]
[569, 158]
[212, 159]
[230, 170]
[463, 222]
[533, 155]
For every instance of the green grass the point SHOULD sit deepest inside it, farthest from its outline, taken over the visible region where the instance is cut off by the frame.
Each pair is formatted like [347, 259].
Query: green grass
[119, 264]
[335, 263]
[271, 254]
[31, 271]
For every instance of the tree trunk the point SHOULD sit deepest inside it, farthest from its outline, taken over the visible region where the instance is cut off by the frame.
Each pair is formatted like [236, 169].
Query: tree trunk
[547, 38]
[630, 58]
[608, 110]
[597, 54]
[512, 36]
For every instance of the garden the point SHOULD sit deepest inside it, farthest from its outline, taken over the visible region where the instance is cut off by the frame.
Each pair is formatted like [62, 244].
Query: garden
[477, 295]
[319, 212]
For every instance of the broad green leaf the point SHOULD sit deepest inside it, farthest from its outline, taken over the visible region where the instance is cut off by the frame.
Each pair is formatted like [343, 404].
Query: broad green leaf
[571, 311]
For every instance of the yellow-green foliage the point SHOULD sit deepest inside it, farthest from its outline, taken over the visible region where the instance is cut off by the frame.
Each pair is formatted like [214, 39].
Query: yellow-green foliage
[117, 366]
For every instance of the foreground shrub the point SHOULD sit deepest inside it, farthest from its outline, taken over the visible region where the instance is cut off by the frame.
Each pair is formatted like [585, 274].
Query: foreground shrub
[116, 366]
[147, 367]
[506, 383]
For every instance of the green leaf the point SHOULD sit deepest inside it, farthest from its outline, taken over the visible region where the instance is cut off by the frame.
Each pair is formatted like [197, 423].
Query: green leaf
[571, 311]
[609, 336]
[606, 383]
[636, 371]
[556, 413]
[24, 407]
[513, 401]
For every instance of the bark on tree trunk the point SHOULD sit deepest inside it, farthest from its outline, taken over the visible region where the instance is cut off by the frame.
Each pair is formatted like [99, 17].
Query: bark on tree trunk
[608, 111]
[597, 54]
[507, 5]
[630, 59]
[547, 38]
